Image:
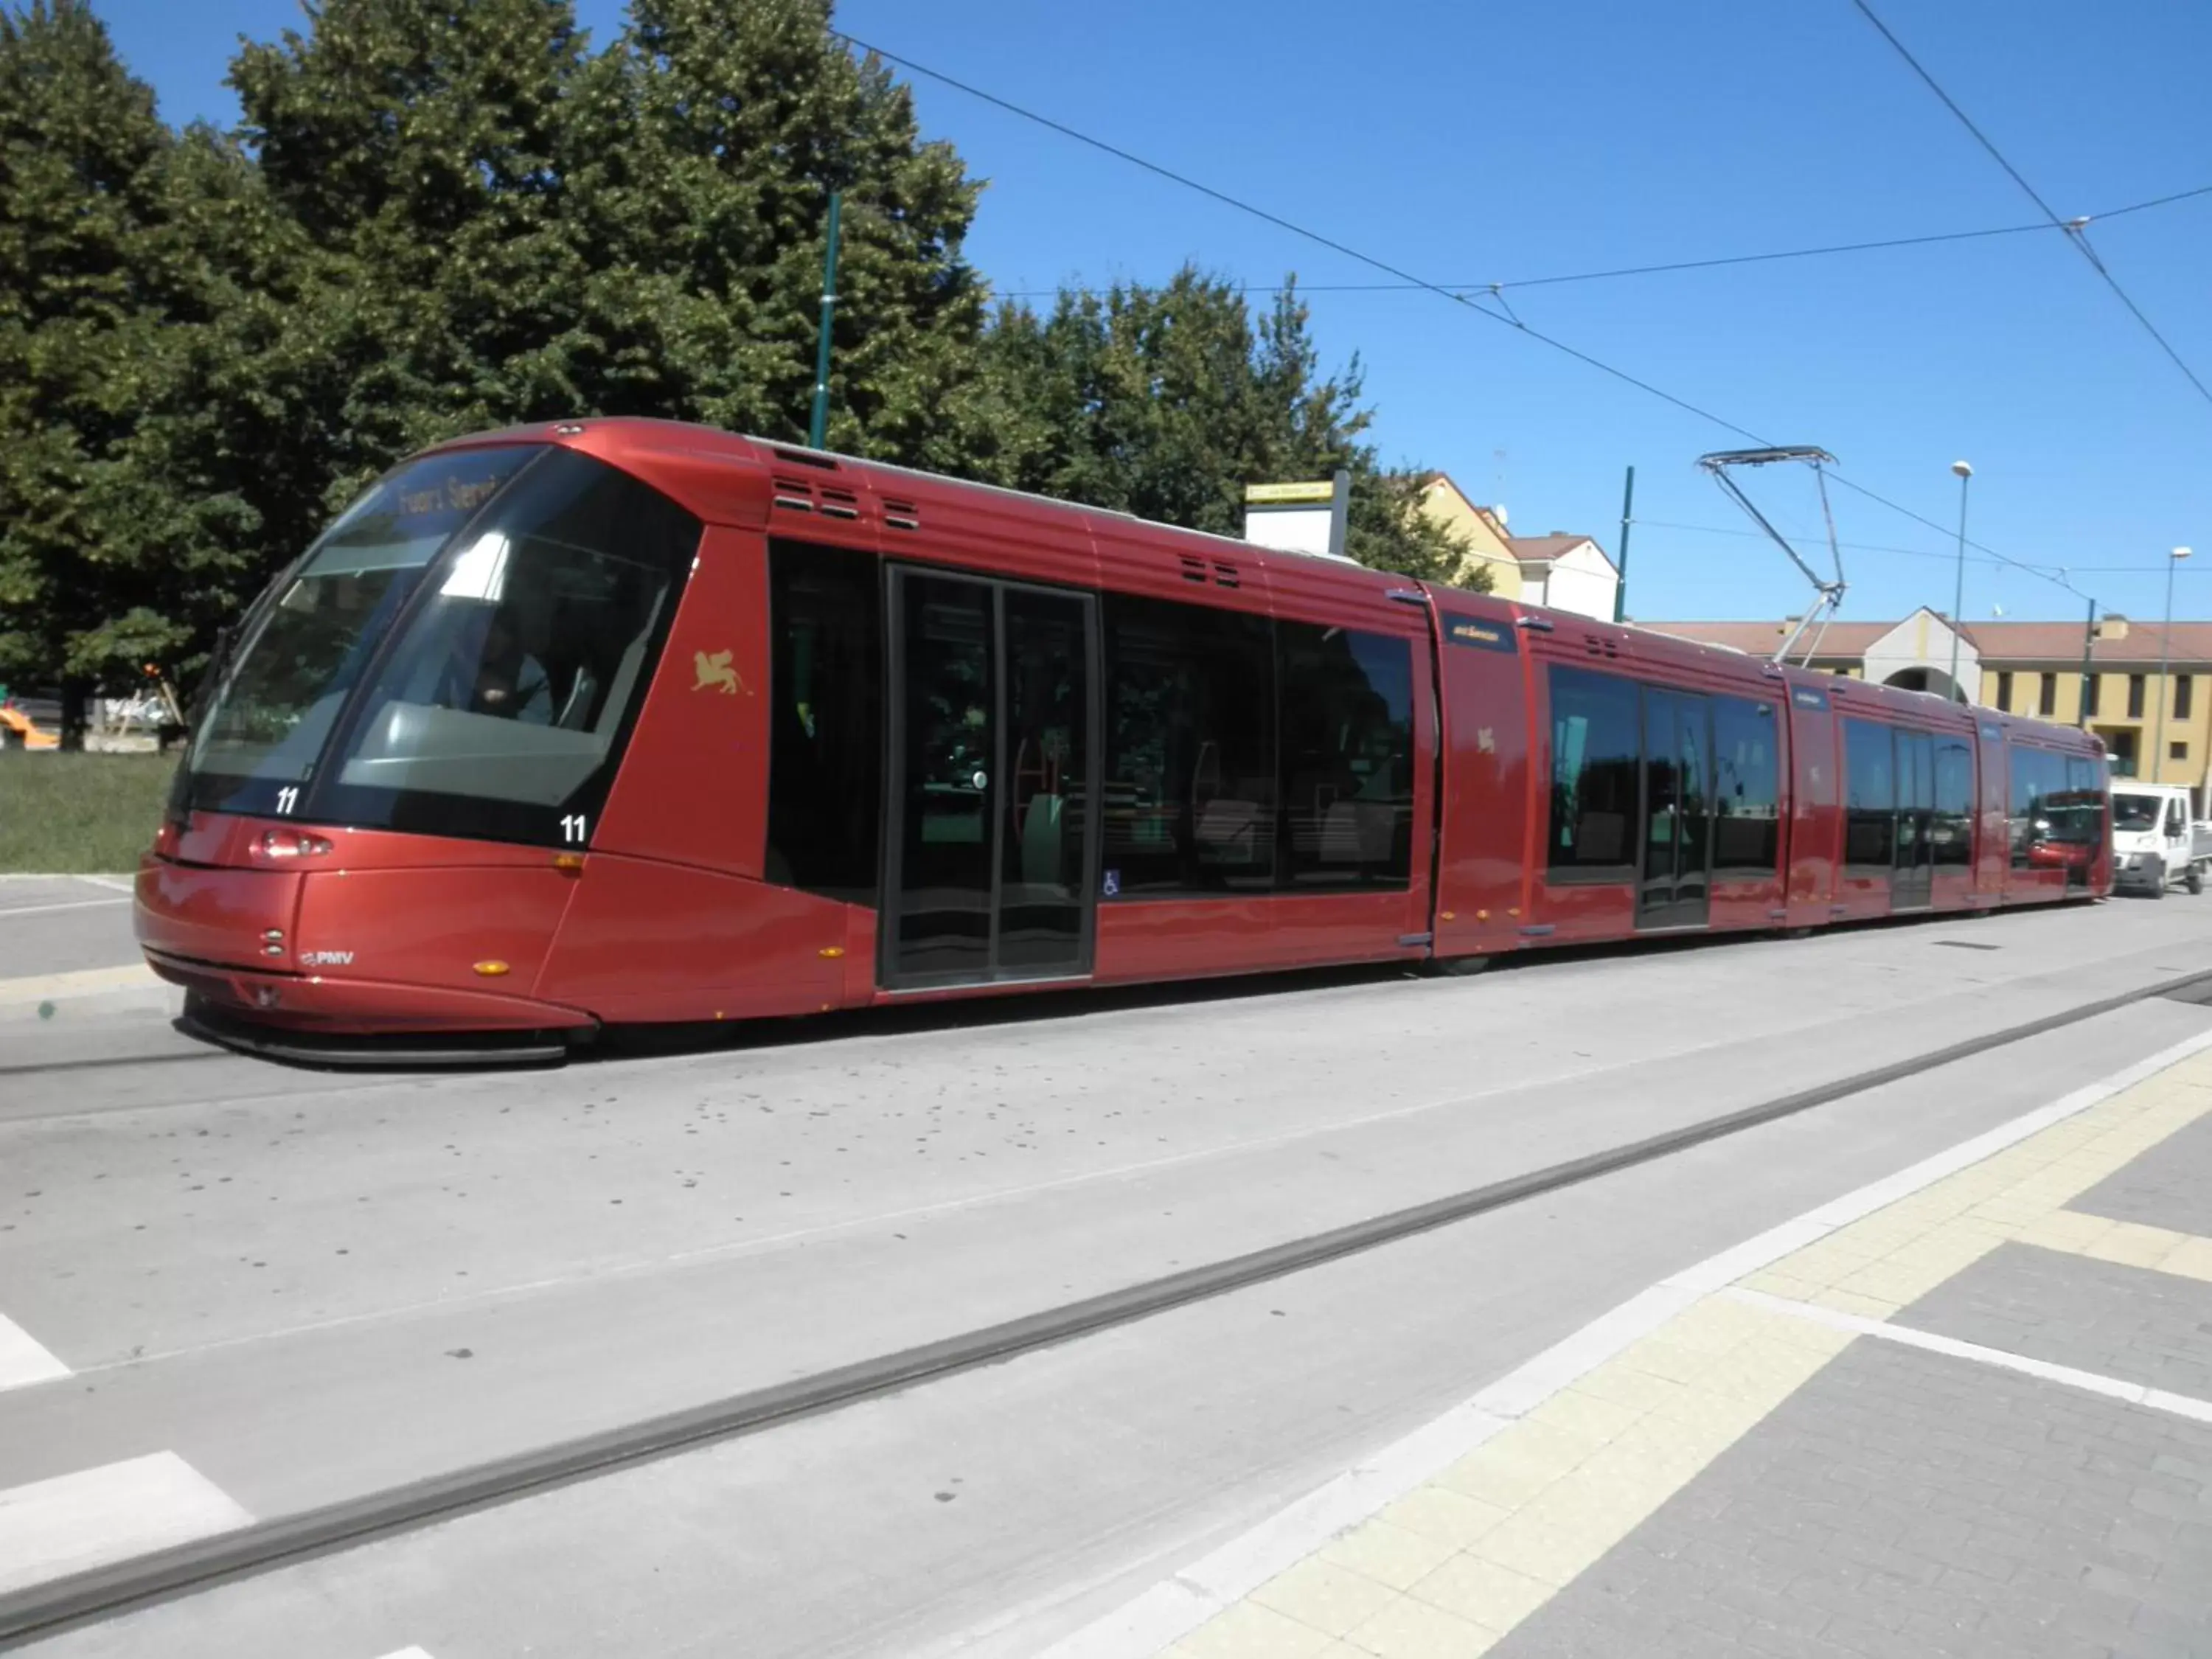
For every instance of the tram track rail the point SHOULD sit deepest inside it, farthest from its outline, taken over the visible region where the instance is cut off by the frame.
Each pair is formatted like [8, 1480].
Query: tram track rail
[109, 1063]
[89, 1597]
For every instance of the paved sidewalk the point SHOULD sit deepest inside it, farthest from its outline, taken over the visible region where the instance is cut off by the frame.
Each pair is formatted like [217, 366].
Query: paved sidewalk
[1974, 1420]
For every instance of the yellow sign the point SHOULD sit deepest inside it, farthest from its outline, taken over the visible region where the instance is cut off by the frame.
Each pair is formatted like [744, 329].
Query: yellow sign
[1281, 494]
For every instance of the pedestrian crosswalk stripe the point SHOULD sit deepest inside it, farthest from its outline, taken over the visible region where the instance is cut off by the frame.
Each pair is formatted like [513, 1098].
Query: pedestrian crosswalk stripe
[50, 1528]
[23, 1359]
[7, 910]
[85, 981]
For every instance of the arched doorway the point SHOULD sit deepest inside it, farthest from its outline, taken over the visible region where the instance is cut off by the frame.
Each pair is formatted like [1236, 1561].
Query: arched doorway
[1925, 680]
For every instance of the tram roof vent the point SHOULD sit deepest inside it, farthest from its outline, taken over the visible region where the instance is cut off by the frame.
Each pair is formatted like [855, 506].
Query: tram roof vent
[838, 503]
[1597, 645]
[1193, 570]
[805, 457]
[795, 493]
[902, 516]
[1225, 575]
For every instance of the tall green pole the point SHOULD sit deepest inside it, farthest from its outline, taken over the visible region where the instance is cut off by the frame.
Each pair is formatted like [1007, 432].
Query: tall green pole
[1959, 589]
[1621, 588]
[821, 421]
[2088, 675]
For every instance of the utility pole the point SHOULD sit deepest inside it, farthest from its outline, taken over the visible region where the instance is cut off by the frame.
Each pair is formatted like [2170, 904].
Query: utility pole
[2088, 675]
[1621, 588]
[2165, 657]
[815, 429]
[1959, 587]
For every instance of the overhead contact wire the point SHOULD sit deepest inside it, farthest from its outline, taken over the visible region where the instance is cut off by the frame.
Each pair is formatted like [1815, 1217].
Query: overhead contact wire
[1383, 266]
[2077, 230]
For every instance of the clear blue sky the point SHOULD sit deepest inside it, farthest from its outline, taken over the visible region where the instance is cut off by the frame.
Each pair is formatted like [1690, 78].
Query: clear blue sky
[1484, 142]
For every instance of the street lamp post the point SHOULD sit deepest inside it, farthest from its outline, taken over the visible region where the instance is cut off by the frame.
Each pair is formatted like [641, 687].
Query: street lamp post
[2165, 656]
[1959, 588]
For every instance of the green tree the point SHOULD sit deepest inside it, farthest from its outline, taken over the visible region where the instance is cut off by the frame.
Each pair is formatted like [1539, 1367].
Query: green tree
[139, 270]
[419, 148]
[707, 141]
[1165, 402]
[507, 226]
[229, 459]
[81, 304]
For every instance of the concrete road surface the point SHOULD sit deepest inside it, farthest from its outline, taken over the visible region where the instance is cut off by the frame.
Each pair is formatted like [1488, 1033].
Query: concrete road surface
[259, 1290]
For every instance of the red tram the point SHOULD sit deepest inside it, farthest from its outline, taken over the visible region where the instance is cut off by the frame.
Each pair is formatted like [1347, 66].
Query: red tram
[617, 722]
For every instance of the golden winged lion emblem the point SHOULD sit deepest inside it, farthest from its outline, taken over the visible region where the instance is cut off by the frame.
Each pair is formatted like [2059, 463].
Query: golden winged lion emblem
[715, 672]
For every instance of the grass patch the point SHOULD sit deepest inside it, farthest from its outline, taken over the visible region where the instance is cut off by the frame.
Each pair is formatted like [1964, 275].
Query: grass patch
[71, 813]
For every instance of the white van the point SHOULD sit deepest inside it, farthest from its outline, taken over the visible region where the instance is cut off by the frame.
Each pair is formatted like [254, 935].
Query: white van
[2153, 843]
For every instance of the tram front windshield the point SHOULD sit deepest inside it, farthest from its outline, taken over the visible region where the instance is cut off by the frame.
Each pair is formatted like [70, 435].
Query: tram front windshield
[462, 653]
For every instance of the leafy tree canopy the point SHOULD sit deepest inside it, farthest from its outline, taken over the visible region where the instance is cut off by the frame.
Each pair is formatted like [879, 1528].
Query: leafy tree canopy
[1165, 402]
[439, 215]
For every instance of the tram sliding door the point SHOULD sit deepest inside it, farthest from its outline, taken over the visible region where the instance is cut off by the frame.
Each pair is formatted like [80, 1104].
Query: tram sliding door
[1912, 882]
[994, 751]
[1677, 875]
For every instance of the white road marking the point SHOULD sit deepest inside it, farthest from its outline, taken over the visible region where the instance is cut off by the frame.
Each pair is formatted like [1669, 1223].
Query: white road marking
[1173, 1608]
[2136, 1394]
[119, 883]
[84, 982]
[52, 1528]
[408, 1653]
[7, 910]
[23, 1360]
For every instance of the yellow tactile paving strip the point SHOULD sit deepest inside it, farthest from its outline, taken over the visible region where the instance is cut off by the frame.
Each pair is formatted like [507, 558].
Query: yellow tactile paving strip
[1445, 1571]
[1899, 1254]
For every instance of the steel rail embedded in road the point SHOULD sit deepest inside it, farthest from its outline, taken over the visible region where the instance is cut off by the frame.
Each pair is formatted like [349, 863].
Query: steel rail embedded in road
[110, 1062]
[163, 1575]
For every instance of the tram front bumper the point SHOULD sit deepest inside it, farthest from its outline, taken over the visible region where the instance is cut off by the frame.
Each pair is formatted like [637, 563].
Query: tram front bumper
[356, 1007]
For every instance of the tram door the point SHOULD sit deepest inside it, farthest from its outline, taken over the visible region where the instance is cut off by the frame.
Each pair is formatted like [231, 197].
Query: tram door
[991, 845]
[1912, 876]
[1678, 779]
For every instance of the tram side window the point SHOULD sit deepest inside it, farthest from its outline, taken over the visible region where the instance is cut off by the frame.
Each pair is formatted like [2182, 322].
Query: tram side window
[1870, 784]
[1953, 827]
[826, 746]
[1596, 752]
[2045, 810]
[1345, 714]
[1746, 808]
[2085, 782]
[2020, 809]
[1189, 793]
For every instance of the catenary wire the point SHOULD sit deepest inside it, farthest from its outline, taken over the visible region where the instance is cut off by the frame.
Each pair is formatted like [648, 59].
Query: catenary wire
[2075, 230]
[1677, 265]
[1295, 229]
[1855, 547]
[1929, 552]
[1315, 237]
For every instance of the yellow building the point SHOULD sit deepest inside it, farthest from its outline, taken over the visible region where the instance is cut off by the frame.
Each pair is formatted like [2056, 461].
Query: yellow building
[1562, 570]
[1488, 547]
[2032, 668]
